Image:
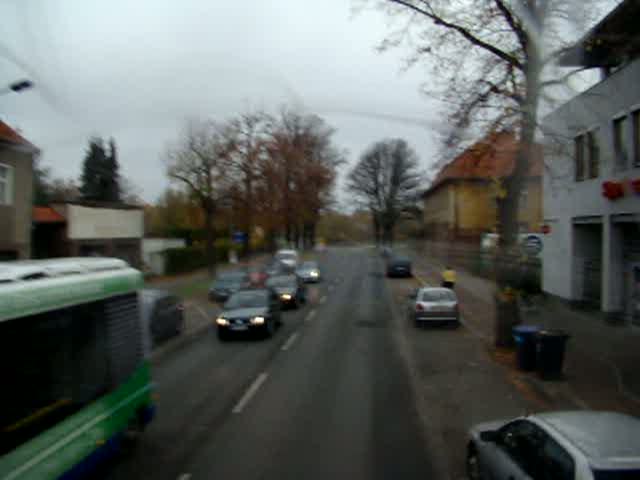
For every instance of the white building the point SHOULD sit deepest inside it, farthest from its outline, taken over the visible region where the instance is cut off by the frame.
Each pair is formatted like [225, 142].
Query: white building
[84, 229]
[592, 180]
[153, 252]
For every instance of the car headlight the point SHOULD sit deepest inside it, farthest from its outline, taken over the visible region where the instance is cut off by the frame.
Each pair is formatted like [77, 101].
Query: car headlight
[285, 296]
[257, 321]
[222, 321]
[314, 273]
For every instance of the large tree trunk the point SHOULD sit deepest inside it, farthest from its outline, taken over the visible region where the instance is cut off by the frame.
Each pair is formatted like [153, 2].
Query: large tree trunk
[377, 228]
[209, 239]
[509, 268]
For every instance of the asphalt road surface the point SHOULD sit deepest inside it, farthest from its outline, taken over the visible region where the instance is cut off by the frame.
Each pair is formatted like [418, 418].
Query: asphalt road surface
[327, 397]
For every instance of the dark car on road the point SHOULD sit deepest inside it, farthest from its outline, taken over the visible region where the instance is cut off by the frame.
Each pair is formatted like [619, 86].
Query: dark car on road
[226, 284]
[434, 305]
[162, 315]
[251, 310]
[290, 290]
[576, 445]
[399, 266]
[309, 272]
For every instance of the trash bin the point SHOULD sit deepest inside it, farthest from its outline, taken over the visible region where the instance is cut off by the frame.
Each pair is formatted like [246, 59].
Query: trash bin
[551, 347]
[525, 337]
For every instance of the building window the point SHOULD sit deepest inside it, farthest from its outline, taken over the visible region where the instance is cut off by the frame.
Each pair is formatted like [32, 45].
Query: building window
[6, 184]
[578, 157]
[636, 137]
[593, 150]
[619, 142]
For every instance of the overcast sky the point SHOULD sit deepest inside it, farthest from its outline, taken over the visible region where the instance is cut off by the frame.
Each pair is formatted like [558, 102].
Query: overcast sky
[135, 70]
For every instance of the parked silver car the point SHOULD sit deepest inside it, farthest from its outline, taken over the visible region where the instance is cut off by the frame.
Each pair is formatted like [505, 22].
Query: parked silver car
[576, 445]
[431, 305]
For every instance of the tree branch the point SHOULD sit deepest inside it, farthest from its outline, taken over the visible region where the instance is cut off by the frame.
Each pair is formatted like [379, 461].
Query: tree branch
[465, 33]
[514, 23]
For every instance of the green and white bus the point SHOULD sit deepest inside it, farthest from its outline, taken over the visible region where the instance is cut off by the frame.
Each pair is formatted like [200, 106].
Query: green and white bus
[75, 379]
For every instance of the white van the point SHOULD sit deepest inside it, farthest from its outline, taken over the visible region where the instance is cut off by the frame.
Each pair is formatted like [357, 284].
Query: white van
[287, 257]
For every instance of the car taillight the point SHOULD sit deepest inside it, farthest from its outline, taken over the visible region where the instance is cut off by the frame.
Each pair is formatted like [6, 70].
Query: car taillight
[419, 307]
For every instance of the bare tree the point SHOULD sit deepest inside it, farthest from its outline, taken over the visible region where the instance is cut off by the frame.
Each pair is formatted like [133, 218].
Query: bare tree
[198, 160]
[245, 138]
[386, 180]
[495, 66]
[301, 165]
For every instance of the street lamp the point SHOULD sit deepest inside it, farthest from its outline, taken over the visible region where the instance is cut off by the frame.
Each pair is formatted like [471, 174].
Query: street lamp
[17, 86]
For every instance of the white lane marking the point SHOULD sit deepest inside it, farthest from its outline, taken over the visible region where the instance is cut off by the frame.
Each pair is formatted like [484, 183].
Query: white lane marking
[184, 476]
[251, 391]
[323, 299]
[310, 316]
[289, 342]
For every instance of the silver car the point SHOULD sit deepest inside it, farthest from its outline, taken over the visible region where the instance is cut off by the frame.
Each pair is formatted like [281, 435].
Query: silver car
[309, 272]
[433, 305]
[572, 445]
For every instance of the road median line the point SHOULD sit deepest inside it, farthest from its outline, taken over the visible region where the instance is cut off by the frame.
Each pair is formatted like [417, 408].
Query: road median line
[310, 315]
[249, 394]
[290, 341]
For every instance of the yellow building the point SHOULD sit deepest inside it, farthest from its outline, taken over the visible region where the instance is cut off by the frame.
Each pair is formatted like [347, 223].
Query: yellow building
[460, 204]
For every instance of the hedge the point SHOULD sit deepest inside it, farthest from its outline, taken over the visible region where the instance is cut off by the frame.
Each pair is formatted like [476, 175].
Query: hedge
[187, 259]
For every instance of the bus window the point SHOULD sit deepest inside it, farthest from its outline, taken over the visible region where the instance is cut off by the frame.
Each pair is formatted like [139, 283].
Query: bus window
[57, 362]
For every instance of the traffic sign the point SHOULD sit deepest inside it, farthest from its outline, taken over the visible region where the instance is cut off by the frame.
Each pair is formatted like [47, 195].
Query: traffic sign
[239, 237]
[533, 244]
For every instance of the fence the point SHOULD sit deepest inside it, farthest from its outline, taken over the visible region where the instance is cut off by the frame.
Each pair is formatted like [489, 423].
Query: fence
[523, 271]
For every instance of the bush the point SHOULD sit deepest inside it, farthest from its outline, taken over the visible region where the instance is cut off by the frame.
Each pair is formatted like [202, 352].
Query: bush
[179, 260]
[187, 259]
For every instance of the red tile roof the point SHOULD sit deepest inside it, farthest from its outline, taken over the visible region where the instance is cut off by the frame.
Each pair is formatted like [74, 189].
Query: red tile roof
[491, 157]
[47, 215]
[9, 135]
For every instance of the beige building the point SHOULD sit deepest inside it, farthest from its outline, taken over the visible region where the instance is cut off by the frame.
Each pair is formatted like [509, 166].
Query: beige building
[461, 205]
[16, 194]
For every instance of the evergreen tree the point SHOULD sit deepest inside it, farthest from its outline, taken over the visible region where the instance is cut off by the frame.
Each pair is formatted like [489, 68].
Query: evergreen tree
[112, 167]
[100, 177]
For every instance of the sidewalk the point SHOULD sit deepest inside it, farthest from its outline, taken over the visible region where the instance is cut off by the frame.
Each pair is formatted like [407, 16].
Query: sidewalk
[602, 360]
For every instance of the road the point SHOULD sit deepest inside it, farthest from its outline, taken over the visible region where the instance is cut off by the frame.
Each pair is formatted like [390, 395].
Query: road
[328, 396]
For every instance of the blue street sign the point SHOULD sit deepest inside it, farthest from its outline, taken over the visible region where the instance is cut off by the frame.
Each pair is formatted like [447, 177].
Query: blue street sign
[239, 237]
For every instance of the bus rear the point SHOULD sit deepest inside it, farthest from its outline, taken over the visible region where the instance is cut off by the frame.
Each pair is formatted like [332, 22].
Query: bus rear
[76, 383]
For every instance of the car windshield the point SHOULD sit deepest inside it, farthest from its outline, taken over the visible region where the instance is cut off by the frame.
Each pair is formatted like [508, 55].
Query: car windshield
[229, 279]
[282, 281]
[437, 296]
[343, 156]
[616, 474]
[247, 299]
[400, 259]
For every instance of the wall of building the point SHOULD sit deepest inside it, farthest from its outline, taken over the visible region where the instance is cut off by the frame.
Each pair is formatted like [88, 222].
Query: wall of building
[465, 209]
[439, 214]
[566, 200]
[15, 219]
[475, 208]
[89, 223]
[153, 252]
